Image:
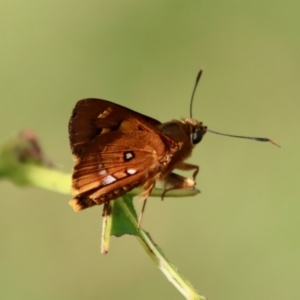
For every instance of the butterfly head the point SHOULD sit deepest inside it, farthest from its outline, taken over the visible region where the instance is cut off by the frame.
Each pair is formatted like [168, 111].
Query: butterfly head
[196, 130]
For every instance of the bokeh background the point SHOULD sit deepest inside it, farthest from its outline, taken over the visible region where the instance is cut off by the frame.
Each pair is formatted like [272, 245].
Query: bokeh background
[239, 238]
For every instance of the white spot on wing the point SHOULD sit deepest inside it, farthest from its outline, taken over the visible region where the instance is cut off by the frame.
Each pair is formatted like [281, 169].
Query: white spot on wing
[105, 113]
[108, 180]
[100, 166]
[128, 155]
[131, 171]
[102, 172]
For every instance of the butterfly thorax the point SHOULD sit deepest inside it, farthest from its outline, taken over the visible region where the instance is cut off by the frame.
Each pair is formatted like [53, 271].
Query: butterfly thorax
[186, 133]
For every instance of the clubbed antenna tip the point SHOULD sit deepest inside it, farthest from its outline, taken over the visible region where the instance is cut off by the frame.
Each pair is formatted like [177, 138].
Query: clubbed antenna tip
[194, 90]
[258, 139]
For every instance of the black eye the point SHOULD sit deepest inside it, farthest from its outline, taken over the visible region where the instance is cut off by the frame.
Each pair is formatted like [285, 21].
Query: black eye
[196, 137]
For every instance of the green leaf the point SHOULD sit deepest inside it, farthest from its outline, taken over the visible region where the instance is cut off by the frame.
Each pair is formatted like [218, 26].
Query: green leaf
[123, 211]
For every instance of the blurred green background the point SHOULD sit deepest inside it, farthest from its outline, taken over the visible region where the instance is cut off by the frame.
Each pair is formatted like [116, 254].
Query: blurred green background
[238, 239]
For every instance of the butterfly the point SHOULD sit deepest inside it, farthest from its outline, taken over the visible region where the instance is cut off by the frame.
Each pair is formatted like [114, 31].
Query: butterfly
[116, 149]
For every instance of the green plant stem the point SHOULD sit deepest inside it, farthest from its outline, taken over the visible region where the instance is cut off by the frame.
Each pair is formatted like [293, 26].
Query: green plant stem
[43, 177]
[155, 253]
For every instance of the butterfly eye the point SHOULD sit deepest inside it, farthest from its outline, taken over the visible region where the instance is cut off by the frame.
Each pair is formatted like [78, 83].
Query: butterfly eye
[196, 137]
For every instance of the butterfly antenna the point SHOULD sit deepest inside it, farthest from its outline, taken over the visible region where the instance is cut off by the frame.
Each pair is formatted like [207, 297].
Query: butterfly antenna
[258, 139]
[194, 90]
[142, 213]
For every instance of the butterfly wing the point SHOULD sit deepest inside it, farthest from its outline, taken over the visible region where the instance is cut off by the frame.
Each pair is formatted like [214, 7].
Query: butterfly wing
[92, 117]
[115, 150]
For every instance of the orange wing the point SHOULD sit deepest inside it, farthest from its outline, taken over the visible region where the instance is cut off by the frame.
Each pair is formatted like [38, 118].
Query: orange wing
[115, 150]
[91, 117]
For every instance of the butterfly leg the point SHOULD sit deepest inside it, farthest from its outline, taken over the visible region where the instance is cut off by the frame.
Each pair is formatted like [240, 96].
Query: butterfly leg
[187, 167]
[143, 197]
[175, 181]
[106, 209]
